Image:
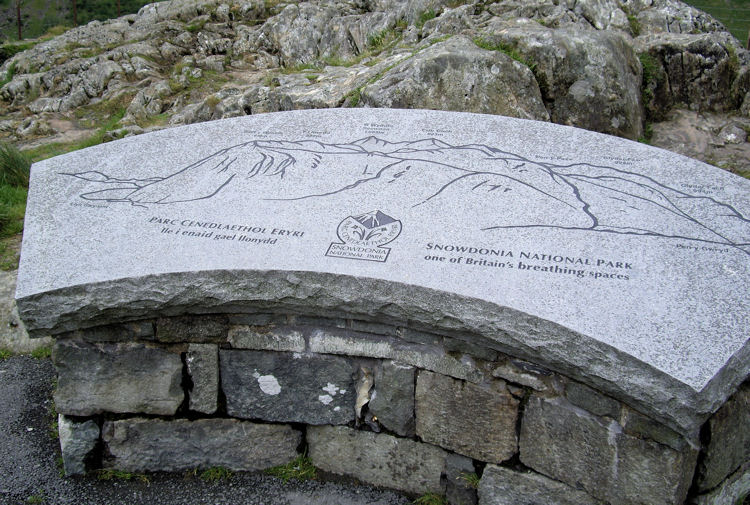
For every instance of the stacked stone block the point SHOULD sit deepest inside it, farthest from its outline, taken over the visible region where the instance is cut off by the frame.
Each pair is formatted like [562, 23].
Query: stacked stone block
[387, 405]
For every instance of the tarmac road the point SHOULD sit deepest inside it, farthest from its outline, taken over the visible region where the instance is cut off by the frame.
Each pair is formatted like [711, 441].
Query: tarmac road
[29, 472]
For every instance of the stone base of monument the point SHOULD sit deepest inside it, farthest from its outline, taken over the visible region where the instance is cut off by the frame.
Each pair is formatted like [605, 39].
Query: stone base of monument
[419, 300]
[388, 405]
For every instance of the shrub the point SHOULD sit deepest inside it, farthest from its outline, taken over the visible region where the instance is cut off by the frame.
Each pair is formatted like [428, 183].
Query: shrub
[14, 166]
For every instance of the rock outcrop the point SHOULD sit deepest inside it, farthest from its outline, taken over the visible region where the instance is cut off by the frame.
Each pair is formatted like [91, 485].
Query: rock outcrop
[613, 66]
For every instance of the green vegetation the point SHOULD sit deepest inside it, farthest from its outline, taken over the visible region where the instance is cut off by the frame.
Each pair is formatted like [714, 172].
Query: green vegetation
[57, 148]
[110, 474]
[354, 96]
[60, 464]
[336, 61]
[14, 167]
[196, 27]
[734, 61]
[635, 25]
[301, 468]
[734, 14]
[296, 69]
[425, 16]
[379, 41]
[41, 352]
[653, 77]
[507, 49]
[36, 499]
[430, 499]
[8, 50]
[41, 16]
[470, 479]
[5, 354]
[8, 75]
[648, 133]
[14, 183]
[216, 473]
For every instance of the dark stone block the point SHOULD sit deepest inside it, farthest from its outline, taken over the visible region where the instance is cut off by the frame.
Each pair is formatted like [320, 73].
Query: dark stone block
[288, 387]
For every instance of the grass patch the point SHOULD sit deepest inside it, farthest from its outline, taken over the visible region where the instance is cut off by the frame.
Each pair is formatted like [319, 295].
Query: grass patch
[14, 166]
[354, 96]
[8, 255]
[5, 354]
[8, 75]
[470, 479]
[425, 16]
[7, 51]
[36, 499]
[57, 148]
[635, 25]
[653, 78]
[54, 427]
[196, 27]
[14, 182]
[379, 41]
[111, 474]
[648, 134]
[430, 499]
[301, 468]
[337, 61]
[651, 68]
[41, 352]
[216, 473]
[507, 49]
[296, 69]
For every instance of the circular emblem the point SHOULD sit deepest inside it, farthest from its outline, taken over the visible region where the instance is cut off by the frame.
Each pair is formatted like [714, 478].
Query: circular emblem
[371, 229]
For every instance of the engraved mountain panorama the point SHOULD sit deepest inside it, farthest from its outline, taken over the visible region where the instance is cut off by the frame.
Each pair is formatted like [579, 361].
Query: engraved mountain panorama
[432, 173]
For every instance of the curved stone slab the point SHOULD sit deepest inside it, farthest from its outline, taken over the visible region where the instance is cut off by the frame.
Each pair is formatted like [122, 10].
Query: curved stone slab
[616, 263]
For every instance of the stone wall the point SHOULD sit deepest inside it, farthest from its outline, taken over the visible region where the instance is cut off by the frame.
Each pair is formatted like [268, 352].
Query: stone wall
[387, 405]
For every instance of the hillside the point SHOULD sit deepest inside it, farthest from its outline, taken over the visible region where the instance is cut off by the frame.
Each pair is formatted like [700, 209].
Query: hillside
[661, 71]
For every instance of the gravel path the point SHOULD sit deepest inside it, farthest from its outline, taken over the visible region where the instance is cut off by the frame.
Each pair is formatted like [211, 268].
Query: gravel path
[29, 472]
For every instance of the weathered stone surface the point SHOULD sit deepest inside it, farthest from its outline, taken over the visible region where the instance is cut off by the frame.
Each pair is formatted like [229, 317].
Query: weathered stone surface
[393, 399]
[573, 446]
[288, 387]
[119, 378]
[503, 486]
[476, 421]
[378, 459]
[203, 367]
[729, 446]
[371, 346]
[125, 332]
[588, 78]
[733, 490]
[458, 75]
[266, 338]
[198, 329]
[587, 398]
[552, 180]
[77, 441]
[458, 489]
[699, 69]
[13, 334]
[642, 426]
[699, 135]
[512, 373]
[138, 445]
[473, 346]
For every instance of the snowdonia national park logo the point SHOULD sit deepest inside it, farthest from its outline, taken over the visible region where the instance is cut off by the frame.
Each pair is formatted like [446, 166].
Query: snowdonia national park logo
[362, 237]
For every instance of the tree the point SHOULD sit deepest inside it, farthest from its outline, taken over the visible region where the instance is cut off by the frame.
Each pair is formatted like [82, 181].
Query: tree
[19, 3]
[75, 14]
